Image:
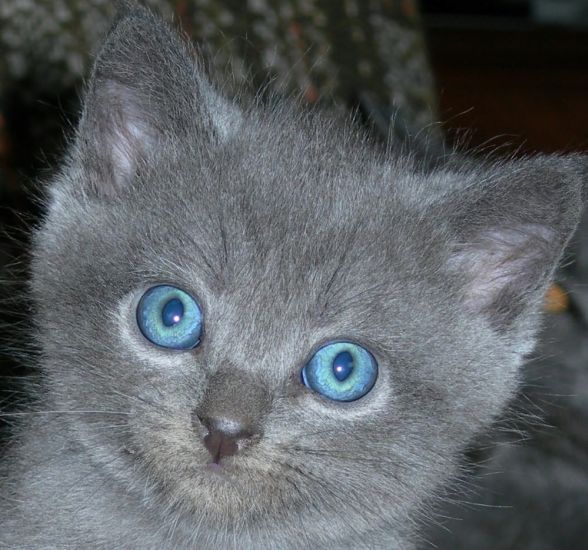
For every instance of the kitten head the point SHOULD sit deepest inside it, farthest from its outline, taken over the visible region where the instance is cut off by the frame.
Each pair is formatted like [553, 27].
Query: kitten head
[282, 331]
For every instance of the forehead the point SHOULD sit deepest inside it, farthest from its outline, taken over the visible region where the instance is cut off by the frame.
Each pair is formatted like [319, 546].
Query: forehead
[250, 209]
[283, 182]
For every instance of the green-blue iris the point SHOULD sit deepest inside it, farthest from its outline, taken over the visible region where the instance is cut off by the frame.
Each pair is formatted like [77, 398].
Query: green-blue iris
[342, 371]
[169, 317]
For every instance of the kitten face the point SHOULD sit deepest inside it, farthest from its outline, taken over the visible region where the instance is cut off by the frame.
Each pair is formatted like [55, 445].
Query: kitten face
[290, 233]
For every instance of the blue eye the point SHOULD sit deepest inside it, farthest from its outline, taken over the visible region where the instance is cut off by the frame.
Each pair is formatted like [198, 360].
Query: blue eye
[169, 317]
[341, 371]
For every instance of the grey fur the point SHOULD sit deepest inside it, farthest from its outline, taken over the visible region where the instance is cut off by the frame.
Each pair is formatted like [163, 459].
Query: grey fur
[292, 230]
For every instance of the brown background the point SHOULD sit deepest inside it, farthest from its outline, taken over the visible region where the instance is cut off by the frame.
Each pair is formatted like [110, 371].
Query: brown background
[512, 83]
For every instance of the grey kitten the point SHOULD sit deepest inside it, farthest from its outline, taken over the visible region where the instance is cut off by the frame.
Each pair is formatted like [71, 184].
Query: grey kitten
[257, 330]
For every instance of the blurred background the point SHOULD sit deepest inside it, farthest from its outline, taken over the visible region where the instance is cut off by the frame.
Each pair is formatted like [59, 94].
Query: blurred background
[502, 76]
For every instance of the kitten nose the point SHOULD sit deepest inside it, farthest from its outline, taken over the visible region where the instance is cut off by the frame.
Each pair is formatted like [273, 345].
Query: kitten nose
[225, 436]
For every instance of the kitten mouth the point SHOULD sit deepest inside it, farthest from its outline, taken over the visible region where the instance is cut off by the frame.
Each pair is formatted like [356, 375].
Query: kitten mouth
[220, 472]
[215, 467]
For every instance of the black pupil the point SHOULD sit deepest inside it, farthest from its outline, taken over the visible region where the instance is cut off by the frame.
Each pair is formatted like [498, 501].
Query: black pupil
[172, 312]
[342, 365]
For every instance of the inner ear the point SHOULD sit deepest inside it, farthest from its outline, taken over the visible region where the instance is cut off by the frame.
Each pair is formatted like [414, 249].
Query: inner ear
[503, 267]
[508, 233]
[123, 133]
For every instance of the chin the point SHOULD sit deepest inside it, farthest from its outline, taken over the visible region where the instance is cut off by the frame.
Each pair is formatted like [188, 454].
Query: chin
[235, 491]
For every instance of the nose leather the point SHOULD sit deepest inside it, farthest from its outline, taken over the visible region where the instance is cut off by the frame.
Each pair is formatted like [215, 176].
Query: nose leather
[224, 436]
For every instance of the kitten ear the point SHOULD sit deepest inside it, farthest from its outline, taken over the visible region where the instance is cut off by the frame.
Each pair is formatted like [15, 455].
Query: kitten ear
[145, 86]
[511, 233]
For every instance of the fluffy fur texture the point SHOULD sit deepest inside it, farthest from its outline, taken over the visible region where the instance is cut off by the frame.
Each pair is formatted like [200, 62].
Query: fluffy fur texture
[292, 230]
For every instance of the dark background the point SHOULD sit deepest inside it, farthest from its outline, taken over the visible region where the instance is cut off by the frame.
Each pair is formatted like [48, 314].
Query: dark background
[508, 74]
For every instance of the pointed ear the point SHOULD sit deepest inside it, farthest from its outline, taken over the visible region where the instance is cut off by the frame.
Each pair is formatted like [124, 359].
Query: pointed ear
[145, 87]
[509, 231]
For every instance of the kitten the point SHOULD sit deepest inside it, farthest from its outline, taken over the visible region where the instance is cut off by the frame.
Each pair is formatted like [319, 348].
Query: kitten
[257, 330]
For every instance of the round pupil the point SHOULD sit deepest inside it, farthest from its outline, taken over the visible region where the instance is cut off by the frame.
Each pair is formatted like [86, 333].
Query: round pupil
[172, 312]
[342, 365]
